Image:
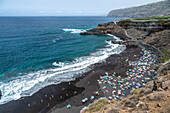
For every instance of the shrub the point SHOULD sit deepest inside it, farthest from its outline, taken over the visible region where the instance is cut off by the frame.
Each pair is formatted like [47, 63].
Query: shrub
[135, 91]
[156, 67]
[113, 101]
[142, 90]
[123, 101]
[124, 22]
[96, 106]
[165, 56]
[161, 22]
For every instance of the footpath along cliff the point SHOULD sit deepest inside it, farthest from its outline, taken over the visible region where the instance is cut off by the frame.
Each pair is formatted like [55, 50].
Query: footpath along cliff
[155, 95]
[155, 32]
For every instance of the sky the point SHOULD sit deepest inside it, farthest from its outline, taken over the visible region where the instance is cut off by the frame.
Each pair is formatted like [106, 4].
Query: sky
[65, 7]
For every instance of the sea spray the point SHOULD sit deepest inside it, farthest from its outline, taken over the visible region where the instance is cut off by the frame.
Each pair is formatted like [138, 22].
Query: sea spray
[32, 82]
[75, 30]
[32, 48]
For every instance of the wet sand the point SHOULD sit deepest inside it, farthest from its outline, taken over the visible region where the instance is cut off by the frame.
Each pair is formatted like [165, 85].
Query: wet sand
[54, 98]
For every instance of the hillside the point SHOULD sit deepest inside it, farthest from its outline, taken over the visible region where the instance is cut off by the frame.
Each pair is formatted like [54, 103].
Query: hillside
[153, 98]
[155, 95]
[154, 32]
[154, 9]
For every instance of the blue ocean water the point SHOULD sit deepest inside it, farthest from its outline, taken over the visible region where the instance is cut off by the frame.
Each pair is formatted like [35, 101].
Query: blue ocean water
[31, 46]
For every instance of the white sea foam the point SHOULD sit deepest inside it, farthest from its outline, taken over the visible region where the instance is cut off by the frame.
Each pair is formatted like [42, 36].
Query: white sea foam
[60, 37]
[60, 64]
[54, 40]
[75, 30]
[32, 82]
[116, 38]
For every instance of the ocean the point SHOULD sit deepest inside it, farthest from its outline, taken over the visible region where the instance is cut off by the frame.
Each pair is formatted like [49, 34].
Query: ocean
[39, 51]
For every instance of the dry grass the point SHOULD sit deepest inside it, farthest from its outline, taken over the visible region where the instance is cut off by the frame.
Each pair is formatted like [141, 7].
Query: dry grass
[136, 91]
[96, 106]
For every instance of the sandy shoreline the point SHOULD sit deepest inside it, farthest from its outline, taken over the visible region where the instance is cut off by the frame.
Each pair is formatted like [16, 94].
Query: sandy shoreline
[54, 98]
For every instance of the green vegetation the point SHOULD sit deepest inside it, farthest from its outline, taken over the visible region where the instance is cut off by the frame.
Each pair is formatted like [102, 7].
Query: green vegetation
[150, 18]
[161, 23]
[113, 101]
[167, 25]
[96, 106]
[154, 9]
[124, 22]
[156, 67]
[135, 91]
[123, 100]
[165, 56]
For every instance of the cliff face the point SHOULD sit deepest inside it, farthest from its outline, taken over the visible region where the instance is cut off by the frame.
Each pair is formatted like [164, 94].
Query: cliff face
[106, 28]
[161, 39]
[154, 32]
[154, 9]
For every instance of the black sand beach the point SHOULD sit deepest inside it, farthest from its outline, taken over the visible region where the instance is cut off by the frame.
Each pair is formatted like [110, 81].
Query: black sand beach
[54, 98]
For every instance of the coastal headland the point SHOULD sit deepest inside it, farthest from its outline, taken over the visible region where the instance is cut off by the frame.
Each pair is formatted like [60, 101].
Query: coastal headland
[144, 40]
[154, 97]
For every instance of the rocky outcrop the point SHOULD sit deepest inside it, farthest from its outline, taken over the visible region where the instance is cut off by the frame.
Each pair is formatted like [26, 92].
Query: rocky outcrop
[0, 94]
[164, 69]
[145, 25]
[155, 95]
[107, 28]
[117, 28]
[160, 40]
[153, 32]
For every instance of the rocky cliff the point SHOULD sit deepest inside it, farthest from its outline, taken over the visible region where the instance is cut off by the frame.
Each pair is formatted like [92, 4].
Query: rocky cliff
[155, 32]
[107, 28]
[155, 96]
[154, 9]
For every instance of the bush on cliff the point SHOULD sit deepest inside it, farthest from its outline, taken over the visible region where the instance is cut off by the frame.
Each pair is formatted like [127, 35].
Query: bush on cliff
[124, 23]
[165, 56]
[96, 106]
[156, 67]
[135, 91]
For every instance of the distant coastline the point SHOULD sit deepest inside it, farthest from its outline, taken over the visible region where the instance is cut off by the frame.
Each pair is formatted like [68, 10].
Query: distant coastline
[153, 9]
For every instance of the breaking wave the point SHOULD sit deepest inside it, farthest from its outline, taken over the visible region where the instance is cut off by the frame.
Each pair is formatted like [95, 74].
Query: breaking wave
[75, 30]
[116, 38]
[32, 82]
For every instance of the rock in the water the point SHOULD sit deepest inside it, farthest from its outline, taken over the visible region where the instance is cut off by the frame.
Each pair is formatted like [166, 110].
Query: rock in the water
[0, 94]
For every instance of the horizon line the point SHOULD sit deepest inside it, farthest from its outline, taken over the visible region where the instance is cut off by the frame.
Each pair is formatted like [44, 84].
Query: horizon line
[56, 16]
